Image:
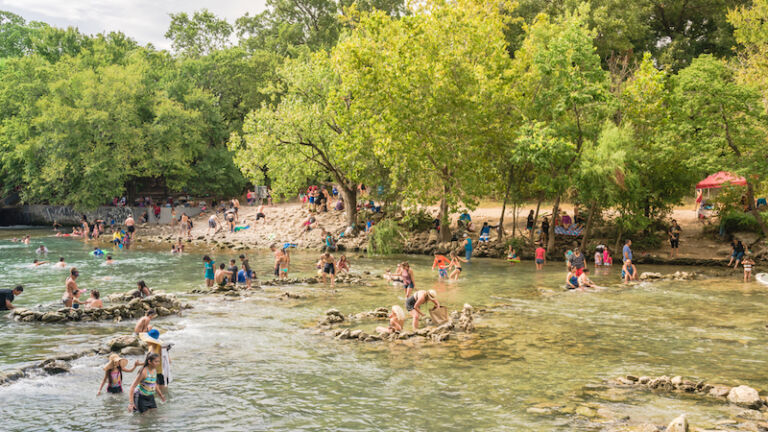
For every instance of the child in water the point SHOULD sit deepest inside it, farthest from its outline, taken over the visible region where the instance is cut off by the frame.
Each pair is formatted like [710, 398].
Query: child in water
[113, 374]
[512, 257]
[144, 387]
[747, 264]
[396, 321]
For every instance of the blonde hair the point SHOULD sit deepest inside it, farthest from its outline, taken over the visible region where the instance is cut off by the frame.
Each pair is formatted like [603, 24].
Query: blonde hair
[398, 312]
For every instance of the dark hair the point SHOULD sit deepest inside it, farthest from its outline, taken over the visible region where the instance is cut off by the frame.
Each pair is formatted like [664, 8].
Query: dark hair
[73, 272]
[627, 241]
[232, 261]
[61, 259]
[141, 284]
[109, 257]
[150, 358]
[34, 262]
[150, 312]
[221, 266]
[95, 294]
[586, 270]
[19, 288]
[242, 256]
[206, 258]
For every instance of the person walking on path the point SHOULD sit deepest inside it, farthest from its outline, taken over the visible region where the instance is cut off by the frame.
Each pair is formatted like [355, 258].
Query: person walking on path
[674, 238]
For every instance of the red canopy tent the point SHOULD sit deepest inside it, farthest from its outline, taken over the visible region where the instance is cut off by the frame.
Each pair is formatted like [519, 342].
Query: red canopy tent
[720, 179]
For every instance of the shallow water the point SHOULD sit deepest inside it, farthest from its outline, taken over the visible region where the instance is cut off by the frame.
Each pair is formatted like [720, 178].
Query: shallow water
[254, 363]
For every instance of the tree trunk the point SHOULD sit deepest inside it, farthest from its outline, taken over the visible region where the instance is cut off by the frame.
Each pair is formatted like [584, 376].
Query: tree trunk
[590, 217]
[755, 212]
[445, 223]
[504, 206]
[535, 219]
[618, 240]
[551, 234]
[514, 219]
[350, 204]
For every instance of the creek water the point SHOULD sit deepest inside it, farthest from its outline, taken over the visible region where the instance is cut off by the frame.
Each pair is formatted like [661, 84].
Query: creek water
[254, 363]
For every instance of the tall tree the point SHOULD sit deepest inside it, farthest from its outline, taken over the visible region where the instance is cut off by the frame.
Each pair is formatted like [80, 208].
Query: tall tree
[723, 123]
[201, 34]
[428, 83]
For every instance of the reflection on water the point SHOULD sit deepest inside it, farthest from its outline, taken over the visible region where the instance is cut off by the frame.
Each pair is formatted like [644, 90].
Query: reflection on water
[254, 363]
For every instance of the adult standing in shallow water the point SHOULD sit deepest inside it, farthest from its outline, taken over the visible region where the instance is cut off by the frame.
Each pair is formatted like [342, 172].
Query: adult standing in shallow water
[329, 267]
[406, 277]
[70, 286]
[130, 226]
[413, 304]
[7, 296]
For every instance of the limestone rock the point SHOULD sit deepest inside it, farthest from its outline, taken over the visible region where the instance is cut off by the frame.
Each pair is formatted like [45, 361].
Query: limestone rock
[56, 367]
[53, 317]
[120, 342]
[745, 396]
[718, 390]
[132, 350]
[680, 424]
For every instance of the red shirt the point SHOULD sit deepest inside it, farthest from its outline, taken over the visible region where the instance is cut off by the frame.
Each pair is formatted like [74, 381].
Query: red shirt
[540, 252]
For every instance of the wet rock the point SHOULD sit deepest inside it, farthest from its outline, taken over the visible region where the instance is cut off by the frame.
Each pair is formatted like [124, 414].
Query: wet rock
[343, 335]
[680, 424]
[644, 380]
[291, 295]
[745, 396]
[720, 391]
[56, 367]
[355, 334]
[132, 350]
[120, 342]
[53, 317]
[586, 411]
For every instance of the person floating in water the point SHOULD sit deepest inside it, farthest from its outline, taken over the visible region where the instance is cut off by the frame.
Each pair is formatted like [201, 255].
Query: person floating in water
[512, 257]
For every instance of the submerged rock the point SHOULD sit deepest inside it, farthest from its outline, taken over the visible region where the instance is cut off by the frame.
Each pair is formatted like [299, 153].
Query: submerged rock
[680, 424]
[56, 367]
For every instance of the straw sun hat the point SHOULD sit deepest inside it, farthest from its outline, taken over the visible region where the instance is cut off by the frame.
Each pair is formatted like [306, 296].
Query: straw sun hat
[115, 360]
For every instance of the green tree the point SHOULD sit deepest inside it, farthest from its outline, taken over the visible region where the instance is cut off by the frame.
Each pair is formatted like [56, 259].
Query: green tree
[201, 34]
[751, 23]
[723, 122]
[427, 84]
[562, 85]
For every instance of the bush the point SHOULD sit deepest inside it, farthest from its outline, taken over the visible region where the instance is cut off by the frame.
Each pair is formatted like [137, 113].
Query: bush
[736, 220]
[386, 238]
[419, 220]
[518, 244]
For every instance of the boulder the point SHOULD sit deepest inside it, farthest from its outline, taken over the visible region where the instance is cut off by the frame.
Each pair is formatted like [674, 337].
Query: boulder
[132, 350]
[745, 396]
[56, 367]
[720, 391]
[680, 424]
[120, 342]
[53, 317]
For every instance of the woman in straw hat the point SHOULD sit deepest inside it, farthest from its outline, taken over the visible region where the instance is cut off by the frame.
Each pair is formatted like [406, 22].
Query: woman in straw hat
[396, 321]
[113, 373]
[414, 302]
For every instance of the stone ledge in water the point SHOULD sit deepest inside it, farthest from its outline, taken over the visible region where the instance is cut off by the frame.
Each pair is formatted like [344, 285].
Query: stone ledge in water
[459, 322]
[164, 304]
[743, 396]
[678, 276]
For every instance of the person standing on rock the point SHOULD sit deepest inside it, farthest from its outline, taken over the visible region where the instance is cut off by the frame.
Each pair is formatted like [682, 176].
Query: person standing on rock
[184, 226]
[260, 213]
[329, 267]
[7, 296]
[144, 387]
[130, 226]
[529, 222]
[414, 302]
[70, 286]
[213, 224]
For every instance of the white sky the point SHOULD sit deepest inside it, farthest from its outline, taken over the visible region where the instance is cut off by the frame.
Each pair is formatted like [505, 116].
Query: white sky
[143, 20]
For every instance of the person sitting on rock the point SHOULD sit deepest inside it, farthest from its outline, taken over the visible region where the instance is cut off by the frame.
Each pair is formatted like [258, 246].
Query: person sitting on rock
[485, 232]
[144, 290]
[222, 276]
[396, 321]
[343, 264]
[571, 281]
[628, 271]
[94, 301]
[414, 302]
[144, 325]
[584, 281]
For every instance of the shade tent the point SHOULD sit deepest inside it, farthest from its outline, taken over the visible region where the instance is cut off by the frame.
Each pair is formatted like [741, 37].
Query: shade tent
[720, 179]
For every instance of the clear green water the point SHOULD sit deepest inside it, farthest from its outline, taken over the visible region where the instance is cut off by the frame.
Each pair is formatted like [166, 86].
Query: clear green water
[254, 363]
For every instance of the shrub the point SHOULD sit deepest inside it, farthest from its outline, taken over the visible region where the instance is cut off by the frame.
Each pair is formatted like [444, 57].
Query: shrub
[419, 220]
[736, 220]
[386, 238]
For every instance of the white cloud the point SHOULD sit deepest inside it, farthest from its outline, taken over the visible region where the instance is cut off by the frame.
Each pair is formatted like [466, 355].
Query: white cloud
[144, 20]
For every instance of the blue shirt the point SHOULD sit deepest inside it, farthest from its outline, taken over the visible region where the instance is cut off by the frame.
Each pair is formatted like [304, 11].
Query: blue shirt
[485, 230]
[465, 217]
[469, 244]
[627, 253]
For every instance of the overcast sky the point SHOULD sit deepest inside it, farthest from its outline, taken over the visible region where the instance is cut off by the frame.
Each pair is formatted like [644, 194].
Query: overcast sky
[143, 20]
